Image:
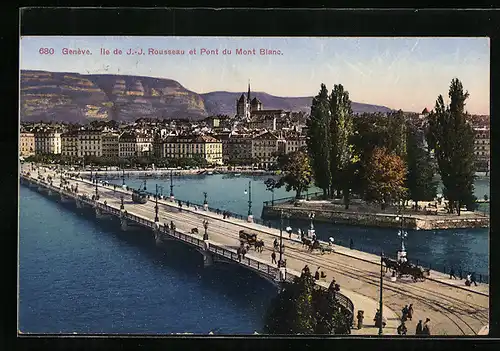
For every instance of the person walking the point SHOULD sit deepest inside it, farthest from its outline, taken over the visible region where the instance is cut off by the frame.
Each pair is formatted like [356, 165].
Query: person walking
[418, 330]
[410, 312]
[452, 273]
[473, 278]
[316, 275]
[273, 257]
[360, 318]
[426, 330]
[402, 330]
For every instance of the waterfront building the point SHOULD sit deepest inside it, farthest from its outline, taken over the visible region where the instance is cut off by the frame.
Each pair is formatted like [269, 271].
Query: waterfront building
[89, 143]
[127, 144]
[69, 143]
[294, 141]
[482, 148]
[237, 149]
[26, 143]
[188, 146]
[265, 149]
[144, 144]
[110, 143]
[47, 142]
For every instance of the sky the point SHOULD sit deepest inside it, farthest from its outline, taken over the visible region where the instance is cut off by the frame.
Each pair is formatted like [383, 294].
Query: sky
[400, 73]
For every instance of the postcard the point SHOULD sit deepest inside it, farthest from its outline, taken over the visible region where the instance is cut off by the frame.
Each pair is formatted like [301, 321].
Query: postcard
[254, 185]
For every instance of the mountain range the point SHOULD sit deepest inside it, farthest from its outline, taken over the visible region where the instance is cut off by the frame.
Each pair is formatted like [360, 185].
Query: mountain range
[81, 98]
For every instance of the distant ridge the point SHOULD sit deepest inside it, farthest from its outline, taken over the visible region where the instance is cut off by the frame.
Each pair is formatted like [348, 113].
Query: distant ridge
[81, 98]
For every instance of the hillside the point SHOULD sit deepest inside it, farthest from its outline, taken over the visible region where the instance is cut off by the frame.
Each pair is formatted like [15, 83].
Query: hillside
[74, 97]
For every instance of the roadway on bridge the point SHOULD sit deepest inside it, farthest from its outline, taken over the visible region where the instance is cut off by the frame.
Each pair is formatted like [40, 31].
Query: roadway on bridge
[453, 311]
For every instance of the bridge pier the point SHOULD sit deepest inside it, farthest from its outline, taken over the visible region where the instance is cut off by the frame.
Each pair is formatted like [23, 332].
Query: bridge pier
[64, 198]
[208, 259]
[79, 204]
[100, 214]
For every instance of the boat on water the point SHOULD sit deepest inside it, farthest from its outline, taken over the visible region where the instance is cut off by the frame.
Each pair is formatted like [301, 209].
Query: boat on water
[139, 196]
[210, 173]
[237, 174]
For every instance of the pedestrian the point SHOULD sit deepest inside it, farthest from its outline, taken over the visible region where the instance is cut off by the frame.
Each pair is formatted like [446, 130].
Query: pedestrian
[351, 244]
[404, 313]
[452, 274]
[360, 318]
[402, 329]
[410, 312]
[473, 278]
[273, 257]
[418, 331]
[331, 241]
[316, 275]
[299, 233]
[426, 330]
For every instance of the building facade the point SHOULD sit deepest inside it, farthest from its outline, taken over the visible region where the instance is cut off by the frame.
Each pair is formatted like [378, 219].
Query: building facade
[265, 149]
[203, 146]
[127, 145]
[482, 148]
[89, 143]
[26, 144]
[69, 144]
[110, 145]
[47, 142]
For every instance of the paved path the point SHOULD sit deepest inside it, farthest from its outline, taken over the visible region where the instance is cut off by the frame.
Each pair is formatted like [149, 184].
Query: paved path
[452, 310]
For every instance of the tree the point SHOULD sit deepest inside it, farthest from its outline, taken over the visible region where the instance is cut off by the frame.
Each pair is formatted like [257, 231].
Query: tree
[270, 186]
[341, 150]
[385, 177]
[452, 139]
[297, 173]
[420, 180]
[302, 307]
[317, 140]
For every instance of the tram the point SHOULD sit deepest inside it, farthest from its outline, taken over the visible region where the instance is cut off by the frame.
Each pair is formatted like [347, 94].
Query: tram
[139, 196]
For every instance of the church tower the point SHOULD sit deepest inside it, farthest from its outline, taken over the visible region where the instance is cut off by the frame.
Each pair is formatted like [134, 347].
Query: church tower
[243, 108]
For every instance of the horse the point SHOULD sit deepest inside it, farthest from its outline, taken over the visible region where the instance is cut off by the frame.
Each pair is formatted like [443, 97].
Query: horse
[391, 264]
[306, 242]
[194, 230]
[259, 246]
[315, 245]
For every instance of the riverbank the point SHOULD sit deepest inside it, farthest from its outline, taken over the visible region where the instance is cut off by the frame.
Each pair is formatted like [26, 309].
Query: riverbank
[364, 215]
[110, 174]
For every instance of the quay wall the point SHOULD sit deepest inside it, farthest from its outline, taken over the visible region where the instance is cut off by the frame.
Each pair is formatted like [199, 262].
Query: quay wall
[376, 219]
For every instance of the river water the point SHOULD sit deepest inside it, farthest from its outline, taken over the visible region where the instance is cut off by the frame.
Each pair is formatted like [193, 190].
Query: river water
[80, 275]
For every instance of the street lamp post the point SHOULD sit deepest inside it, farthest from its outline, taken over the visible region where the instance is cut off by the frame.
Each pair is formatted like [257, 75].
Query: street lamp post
[250, 216]
[171, 186]
[381, 305]
[145, 182]
[205, 226]
[402, 234]
[123, 175]
[156, 204]
[311, 230]
[96, 191]
[122, 206]
[281, 238]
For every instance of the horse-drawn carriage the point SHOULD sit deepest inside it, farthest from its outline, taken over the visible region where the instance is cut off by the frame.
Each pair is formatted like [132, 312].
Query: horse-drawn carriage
[250, 239]
[316, 245]
[402, 268]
